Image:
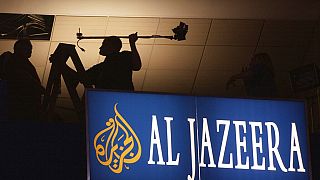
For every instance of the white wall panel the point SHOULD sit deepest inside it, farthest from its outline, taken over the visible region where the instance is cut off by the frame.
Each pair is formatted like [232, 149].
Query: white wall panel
[120, 26]
[235, 32]
[213, 83]
[287, 33]
[66, 27]
[226, 58]
[170, 57]
[176, 81]
[6, 45]
[284, 59]
[40, 72]
[138, 79]
[40, 51]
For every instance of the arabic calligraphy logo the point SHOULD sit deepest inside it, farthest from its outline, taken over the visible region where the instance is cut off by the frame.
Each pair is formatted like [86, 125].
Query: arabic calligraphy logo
[117, 144]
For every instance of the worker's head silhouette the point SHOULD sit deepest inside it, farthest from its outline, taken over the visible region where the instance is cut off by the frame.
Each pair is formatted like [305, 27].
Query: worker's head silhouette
[23, 48]
[110, 45]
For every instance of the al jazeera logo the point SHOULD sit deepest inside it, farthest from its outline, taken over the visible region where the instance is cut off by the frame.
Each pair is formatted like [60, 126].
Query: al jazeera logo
[117, 145]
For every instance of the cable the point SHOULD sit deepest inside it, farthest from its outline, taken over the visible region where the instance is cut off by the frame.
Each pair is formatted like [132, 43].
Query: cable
[82, 49]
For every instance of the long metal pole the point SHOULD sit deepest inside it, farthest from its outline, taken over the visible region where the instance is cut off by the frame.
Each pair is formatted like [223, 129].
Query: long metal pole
[102, 37]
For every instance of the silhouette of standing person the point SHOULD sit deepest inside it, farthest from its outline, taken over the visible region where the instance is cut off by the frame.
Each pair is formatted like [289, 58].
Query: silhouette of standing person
[115, 72]
[258, 77]
[24, 86]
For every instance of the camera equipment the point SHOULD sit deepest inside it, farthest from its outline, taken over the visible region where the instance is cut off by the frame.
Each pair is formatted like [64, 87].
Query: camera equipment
[179, 35]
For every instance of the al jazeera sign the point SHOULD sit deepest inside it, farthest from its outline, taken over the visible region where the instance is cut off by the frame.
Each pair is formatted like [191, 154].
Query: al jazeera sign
[161, 136]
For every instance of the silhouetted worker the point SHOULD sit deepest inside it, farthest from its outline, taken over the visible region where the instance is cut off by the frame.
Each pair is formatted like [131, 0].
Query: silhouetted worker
[115, 72]
[258, 78]
[24, 86]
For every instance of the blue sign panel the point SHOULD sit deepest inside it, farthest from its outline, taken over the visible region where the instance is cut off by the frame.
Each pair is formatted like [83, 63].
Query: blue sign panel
[158, 136]
[139, 136]
[252, 139]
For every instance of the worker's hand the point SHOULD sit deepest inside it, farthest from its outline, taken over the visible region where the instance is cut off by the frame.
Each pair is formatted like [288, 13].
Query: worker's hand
[133, 38]
[52, 56]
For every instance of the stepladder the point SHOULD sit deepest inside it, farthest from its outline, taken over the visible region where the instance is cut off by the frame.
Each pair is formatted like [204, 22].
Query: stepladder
[59, 68]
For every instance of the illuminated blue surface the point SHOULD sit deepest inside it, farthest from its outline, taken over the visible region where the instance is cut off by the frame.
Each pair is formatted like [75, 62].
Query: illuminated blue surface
[282, 113]
[137, 109]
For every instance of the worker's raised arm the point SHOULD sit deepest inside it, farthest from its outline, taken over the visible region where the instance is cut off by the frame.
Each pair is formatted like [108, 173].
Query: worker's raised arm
[136, 60]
